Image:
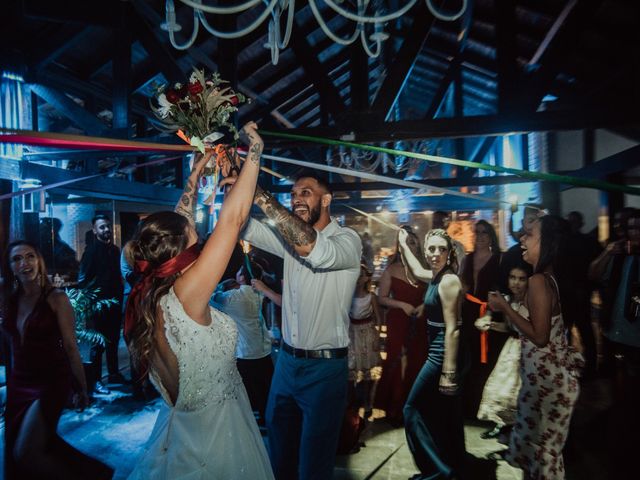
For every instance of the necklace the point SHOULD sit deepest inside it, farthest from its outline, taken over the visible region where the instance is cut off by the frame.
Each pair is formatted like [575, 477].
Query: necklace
[407, 274]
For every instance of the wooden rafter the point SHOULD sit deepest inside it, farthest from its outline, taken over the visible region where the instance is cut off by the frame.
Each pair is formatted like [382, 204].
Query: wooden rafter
[404, 61]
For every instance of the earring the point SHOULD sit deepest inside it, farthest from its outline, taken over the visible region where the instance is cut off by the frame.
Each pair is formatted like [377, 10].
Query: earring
[448, 260]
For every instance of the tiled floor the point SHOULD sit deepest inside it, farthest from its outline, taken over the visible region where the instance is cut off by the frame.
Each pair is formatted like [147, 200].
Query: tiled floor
[116, 427]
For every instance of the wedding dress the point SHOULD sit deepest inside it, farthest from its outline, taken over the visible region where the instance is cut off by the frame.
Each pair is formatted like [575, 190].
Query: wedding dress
[210, 433]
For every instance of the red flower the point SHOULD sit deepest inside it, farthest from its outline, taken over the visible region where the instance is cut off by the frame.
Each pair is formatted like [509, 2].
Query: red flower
[182, 91]
[234, 100]
[172, 96]
[195, 88]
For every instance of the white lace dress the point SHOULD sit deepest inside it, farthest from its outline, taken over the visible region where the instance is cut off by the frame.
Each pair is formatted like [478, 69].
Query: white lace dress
[500, 395]
[210, 433]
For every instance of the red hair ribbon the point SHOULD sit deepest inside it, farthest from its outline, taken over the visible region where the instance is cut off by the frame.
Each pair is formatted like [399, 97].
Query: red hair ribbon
[484, 336]
[166, 269]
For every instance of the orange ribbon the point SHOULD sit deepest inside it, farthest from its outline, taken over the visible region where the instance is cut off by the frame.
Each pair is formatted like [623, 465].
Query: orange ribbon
[484, 336]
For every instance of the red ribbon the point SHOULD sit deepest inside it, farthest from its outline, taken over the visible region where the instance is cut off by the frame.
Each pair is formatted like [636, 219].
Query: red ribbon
[484, 336]
[141, 289]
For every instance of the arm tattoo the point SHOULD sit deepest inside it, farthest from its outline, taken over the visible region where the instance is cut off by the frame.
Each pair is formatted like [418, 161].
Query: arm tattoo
[295, 232]
[187, 203]
[254, 153]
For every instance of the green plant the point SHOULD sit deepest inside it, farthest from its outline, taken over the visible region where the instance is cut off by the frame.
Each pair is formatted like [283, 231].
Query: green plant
[85, 304]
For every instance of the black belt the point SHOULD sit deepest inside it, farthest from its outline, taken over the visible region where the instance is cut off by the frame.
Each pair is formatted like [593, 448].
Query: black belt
[323, 353]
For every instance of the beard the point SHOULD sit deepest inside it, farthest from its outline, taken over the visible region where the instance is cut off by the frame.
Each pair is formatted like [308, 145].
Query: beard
[314, 215]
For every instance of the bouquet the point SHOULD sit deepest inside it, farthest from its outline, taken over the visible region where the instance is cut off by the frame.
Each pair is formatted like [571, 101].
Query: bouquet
[198, 109]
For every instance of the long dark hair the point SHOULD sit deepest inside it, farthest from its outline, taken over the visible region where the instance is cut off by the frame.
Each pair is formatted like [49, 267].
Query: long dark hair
[397, 257]
[11, 286]
[495, 245]
[160, 237]
[11, 282]
[555, 252]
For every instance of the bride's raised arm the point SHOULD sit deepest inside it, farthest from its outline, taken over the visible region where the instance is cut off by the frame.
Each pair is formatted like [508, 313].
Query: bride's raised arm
[195, 287]
[186, 205]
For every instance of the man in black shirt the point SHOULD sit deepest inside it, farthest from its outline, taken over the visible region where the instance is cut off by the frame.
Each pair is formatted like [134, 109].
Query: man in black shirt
[100, 269]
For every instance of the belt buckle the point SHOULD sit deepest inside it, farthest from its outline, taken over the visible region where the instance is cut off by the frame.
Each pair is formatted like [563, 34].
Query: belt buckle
[327, 354]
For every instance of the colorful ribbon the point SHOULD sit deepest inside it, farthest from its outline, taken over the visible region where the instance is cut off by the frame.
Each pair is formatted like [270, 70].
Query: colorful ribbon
[43, 188]
[60, 140]
[148, 272]
[548, 177]
[484, 336]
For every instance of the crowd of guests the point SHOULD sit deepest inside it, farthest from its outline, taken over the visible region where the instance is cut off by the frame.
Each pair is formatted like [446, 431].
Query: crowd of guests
[498, 336]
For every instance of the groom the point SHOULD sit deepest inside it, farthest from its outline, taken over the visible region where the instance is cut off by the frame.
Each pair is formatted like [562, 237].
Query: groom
[309, 388]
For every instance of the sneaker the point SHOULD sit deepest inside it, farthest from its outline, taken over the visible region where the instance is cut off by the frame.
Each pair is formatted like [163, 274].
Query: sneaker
[118, 378]
[100, 389]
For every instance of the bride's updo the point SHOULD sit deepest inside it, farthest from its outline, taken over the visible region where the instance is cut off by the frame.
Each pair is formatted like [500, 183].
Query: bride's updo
[160, 237]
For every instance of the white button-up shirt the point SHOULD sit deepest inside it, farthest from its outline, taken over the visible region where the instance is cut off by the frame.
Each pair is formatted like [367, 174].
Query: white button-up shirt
[317, 289]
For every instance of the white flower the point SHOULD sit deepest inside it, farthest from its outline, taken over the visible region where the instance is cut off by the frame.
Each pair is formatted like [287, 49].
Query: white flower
[165, 106]
[177, 86]
[193, 78]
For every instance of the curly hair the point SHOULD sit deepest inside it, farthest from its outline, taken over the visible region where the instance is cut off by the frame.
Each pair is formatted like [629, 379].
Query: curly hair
[453, 256]
[160, 237]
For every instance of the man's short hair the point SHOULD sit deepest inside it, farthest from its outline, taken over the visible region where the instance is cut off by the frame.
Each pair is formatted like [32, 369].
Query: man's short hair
[321, 179]
[100, 216]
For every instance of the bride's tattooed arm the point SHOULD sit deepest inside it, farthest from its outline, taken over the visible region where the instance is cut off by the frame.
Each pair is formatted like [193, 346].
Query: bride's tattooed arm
[186, 205]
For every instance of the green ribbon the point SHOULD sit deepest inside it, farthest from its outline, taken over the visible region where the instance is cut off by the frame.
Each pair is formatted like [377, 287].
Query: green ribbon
[547, 177]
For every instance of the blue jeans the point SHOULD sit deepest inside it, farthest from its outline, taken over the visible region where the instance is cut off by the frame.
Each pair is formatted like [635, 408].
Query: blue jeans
[433, 421]
[306, 406]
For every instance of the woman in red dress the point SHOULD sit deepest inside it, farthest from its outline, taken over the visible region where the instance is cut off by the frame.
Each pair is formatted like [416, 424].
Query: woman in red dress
[46, 366]
[403, 296]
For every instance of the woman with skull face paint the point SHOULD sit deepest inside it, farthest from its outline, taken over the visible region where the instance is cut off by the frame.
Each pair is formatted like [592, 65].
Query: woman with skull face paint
[39, 320]
[433, 412]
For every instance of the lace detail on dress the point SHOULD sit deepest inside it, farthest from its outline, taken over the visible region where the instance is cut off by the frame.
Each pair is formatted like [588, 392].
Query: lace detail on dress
[206, 356]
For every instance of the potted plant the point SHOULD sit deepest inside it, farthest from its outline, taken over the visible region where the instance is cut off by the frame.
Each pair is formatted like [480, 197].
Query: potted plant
[86, 304]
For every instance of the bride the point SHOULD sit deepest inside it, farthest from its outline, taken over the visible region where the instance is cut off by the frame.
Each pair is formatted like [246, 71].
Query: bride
[206, 430]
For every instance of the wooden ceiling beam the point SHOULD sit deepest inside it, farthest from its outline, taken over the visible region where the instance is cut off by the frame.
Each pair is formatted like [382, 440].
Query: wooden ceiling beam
[70, 109]
[397, 74]
[474, 126]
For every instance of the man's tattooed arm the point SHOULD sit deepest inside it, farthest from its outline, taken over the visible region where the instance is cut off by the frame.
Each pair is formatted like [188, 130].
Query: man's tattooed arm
[187, 204]
[297, 233]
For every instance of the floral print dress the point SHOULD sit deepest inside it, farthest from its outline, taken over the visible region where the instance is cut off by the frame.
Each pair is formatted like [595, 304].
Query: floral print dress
[545, 403]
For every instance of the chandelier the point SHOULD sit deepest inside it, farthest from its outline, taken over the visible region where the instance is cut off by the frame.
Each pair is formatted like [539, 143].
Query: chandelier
[369, 18]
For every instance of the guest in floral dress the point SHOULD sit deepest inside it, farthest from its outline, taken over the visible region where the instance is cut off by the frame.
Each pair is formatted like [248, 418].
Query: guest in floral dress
[550, 366]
